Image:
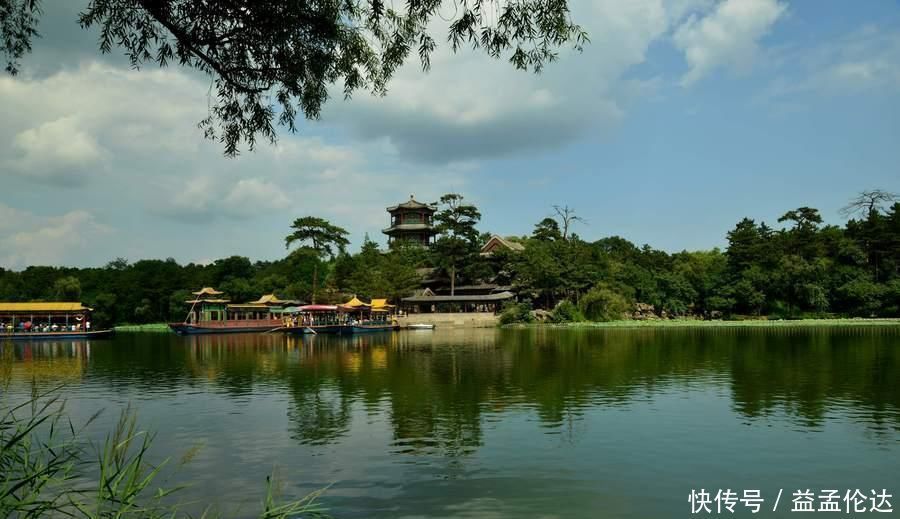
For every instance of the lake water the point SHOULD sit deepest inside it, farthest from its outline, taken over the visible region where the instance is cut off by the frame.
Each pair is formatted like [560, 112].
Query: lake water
[497, 423]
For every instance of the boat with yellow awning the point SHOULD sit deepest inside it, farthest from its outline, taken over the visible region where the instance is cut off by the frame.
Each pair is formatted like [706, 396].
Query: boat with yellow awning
[354, 316]
[37, 320]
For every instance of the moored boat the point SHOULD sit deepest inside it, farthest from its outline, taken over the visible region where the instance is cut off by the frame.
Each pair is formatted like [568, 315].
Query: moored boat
[314, 319]
[210, 313]
[263, 325]
[47, 320]
[44, 336]
[354, 316]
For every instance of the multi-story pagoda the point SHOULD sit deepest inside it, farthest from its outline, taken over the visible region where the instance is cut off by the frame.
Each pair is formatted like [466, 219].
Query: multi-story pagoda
[411, 221]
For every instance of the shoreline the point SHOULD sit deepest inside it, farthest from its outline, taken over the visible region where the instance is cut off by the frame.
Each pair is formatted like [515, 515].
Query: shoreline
[632, 324]
[149, 328]
[696, 323]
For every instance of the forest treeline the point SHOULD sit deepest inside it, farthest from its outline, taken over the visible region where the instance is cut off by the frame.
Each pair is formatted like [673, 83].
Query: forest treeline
[801, 268]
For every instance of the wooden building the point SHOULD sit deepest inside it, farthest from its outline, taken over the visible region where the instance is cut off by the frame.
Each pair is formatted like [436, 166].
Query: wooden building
[429, 302]
[496, 243]
[412, 221]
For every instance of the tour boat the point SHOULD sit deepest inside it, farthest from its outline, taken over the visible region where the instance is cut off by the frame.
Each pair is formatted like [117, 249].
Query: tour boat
[354, 316]
[255, 326]
[209, 313]
[47, 320]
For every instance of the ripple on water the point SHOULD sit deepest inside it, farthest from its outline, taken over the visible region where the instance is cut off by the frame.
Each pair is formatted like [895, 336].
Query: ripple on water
[514, 424]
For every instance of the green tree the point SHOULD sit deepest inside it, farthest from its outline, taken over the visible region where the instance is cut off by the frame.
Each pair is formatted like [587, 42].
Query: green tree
[802, 238]
[368, 278]
[458, 243]
[602, 303]
[745, 246]
[538, 271]
[547, 230]
[105, 312]
[400, 276]
[67, 289]
[239, 290]
[232, 267]
[318, 238]
[270, 59]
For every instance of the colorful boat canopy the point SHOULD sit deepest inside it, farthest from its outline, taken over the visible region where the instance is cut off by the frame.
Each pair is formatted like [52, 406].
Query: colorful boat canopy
[42, 307]
[381, 303]
[207, 291]
[318, 308]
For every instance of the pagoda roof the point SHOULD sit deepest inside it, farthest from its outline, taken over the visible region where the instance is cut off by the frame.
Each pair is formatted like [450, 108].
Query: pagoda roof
[43, 307]
[198, 300]
[355, 303]
[207, 291]
[500, 242]
[403, 227]
[381, 303]
[412, 203]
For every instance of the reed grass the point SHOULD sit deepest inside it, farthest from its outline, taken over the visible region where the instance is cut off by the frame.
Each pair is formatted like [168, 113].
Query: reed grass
[46, 470]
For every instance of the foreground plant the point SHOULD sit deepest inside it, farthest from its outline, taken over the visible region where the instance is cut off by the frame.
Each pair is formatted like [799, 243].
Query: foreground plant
[46, 470]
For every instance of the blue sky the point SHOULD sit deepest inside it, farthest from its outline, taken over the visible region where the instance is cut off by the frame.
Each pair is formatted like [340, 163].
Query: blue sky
[679, 119]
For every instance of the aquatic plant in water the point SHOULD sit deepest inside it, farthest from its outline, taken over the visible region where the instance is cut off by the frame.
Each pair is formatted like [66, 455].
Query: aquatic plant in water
[47, 470]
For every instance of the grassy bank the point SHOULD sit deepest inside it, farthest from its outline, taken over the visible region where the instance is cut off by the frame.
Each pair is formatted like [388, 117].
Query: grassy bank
[693, 323]
[152, 327]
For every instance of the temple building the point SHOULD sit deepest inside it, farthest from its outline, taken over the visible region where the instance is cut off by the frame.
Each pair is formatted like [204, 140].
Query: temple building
[496, 243]
[412, 221]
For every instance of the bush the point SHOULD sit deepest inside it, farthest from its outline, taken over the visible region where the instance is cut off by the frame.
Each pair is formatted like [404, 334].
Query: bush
[516, 313]
[566, 312]
[604, 304]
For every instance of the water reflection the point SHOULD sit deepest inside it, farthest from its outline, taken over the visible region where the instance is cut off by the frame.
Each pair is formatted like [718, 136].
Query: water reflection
[437, 389]
[512, 423]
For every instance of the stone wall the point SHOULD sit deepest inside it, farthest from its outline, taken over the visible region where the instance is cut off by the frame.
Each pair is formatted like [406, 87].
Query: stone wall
[453, 320]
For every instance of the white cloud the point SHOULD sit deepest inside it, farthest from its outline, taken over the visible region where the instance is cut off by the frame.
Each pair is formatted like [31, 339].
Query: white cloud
[469, 106]
[864, 60]
[58, 152]
[31, 239]
[254, 195]
[727, 36]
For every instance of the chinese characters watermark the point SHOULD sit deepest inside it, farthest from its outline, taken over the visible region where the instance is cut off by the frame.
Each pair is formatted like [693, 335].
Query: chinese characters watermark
[802, 500]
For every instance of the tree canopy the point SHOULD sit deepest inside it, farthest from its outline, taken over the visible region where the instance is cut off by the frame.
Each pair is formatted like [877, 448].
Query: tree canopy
[458, 239]
[806, 268]
[270, 59]
[318, 237]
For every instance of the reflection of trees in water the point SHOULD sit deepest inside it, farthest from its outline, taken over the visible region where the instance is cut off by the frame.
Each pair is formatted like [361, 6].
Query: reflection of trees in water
[437, 389]
[810, 372]
[319, 415]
